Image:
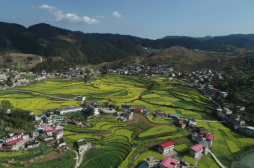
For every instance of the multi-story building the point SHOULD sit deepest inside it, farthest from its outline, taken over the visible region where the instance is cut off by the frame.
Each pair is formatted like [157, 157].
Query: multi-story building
[165, 147]
[196, 150]
[234, 119]
[247, 130]
[152, 162]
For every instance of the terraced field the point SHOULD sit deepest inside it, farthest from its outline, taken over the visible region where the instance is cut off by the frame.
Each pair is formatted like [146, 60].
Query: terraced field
[226, 142]
[33, 102]
[172, 97]
[127, 144]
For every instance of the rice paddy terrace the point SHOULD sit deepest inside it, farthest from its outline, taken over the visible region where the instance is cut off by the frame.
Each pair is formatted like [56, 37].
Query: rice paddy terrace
[129, 143]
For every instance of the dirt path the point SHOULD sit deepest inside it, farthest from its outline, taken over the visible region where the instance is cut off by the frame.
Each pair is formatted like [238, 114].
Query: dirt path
[77, 158]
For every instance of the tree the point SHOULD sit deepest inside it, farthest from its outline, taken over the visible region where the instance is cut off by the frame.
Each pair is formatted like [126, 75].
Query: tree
[6, 104]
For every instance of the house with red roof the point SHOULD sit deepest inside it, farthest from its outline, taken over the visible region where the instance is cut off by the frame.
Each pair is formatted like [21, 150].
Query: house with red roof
[48, 130]
[11, 142]
[209, 140]
[196, 150]
[138, 110]
[169, 162]
[165, 147]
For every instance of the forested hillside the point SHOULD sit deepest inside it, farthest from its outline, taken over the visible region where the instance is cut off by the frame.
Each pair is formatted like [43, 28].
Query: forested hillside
[80, 48]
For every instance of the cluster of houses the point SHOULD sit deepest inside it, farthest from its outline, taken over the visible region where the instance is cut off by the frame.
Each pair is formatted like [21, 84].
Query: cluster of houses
[204, 140]
[52, 136]
[213, 92]
[145, 70]
[199, 135]
[48, 130]
[27, 140]
[197, 77]
[232, 117]
[165, 148]
[17, 80]
[18, 141]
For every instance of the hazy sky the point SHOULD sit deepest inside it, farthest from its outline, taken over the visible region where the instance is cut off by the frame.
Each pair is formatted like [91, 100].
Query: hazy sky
[142, 18]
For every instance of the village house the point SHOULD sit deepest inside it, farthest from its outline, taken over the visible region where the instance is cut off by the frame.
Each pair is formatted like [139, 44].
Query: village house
[199, 134]
[240, 109]
[58, 134]
[13, 142]
[165, 147]
[192, 122]
[159, 114]
[98, 105]
[3, 76]
[81, 98]
[71, 109]
[181, 123]
[126, 116]
[226, 111]
[127, 108]
[108, 110]
[32, 144]
[234, 119]
[89, 106]
[83, 146]
[73, 121]
[169, 162]
[209, 140]
[205, 147]
[26, 136]
[60, 143]
[196, 150]
[173, 116]
[247, 130]
[138, 110]
[182, 162]
[223, 94]
[152, 162]
[218, 111]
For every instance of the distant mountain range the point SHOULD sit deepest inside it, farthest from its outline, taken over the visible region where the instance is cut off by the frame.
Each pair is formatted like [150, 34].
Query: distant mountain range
[78, 47]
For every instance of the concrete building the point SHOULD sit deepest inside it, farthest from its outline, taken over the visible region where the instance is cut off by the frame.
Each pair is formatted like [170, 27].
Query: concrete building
[165, 147]
[152, 162]
[234, 119]
[196, 150]
[247, 130]
[83, 146]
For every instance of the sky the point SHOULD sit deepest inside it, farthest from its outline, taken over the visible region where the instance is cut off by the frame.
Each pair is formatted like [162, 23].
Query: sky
[142, 18]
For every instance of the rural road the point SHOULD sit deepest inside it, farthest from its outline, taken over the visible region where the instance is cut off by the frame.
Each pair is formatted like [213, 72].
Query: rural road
[216, 159]
[212, 121]
[41, 59]
[78, 159]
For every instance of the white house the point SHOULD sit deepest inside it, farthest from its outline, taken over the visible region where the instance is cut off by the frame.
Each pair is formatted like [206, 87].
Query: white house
[165, 147]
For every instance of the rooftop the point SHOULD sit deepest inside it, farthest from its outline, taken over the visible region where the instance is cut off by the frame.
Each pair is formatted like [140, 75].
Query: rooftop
[47, 128]
[136, 108]
[209, 136]
[169, 162]
[166, 144]
[196, 147]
